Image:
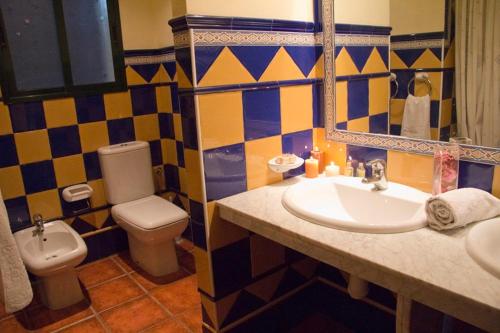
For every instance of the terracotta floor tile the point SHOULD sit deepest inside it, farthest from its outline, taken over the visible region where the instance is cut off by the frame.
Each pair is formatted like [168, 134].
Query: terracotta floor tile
[98, 272]
[150, 282]
[113, 293]
[179, 296]
[192, 319]
[46, 320]
[91, 325]
[125, 261]
[134, 316]
[13, 325]
[168, 326]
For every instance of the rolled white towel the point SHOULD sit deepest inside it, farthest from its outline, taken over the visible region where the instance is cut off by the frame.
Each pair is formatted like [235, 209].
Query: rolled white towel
[460, 207]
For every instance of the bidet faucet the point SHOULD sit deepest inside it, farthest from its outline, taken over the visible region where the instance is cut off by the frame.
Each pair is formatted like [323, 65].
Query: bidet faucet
[378, 177]
[38, 222]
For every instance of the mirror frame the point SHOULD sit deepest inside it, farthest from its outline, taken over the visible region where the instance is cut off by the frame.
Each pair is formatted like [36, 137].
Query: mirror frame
[470, 153]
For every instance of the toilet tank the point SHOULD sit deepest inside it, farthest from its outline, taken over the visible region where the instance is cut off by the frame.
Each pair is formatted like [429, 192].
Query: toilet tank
[127, 171]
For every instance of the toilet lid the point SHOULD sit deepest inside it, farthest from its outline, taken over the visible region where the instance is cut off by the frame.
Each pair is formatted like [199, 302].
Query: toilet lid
[149, 213]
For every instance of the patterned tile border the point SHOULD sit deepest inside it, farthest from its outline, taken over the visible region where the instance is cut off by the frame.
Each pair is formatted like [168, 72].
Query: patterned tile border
[147, 60]
[470, 153]
[417, 44]
[254, 38]
[361, 40]
[182, 39]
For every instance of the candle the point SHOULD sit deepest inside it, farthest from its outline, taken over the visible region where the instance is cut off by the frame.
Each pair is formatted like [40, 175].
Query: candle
[311, 168]
[320, 156]
[332, 170]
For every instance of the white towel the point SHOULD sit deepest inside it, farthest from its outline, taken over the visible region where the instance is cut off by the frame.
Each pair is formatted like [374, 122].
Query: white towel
[14, 281]
[417, 117]
[457, 208]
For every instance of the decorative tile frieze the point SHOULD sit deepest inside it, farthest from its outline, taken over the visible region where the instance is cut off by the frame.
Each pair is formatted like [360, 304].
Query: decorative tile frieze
[254, 38]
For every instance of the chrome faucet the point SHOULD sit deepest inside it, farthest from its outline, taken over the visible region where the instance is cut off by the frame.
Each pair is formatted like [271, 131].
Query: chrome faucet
[378, 178]
[38, 222]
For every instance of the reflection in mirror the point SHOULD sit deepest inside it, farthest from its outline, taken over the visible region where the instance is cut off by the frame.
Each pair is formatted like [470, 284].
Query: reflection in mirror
[427, 69]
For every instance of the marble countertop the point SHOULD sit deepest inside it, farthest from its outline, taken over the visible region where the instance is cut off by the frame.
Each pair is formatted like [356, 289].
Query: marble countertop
[425, 265]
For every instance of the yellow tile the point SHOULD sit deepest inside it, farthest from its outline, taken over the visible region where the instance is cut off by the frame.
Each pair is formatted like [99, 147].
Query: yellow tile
[496, 181]
[226, 69]
[60, 112]
[359, 125]
[266, 287]
[344, 64]
[193, 168]
[222, 233]
[374, 64]
[203, 270]
[182, 78]
[335, 152]
[93, 136]
[318, 71]
[265, 254]
[11, 182]
[281, 68]
[183, 180]
[133, 78]
[434, 133]
[178, 127]
[33, 146]
[5, 124]
[378, 95]
[341, 102]
[69, 170]
[296, 108]
[427, 60]
[397, 111]
[98, 198]
[446, 106]
[410, 169]
[319, 137]
[422, 90]
[396, 62]
[258, 153]
[221, 119]
[46, 203]
[169, 151]
[118, 105]
[164, 99]
[449, 60]
[147, 127]
[161, 76]
[96, 218]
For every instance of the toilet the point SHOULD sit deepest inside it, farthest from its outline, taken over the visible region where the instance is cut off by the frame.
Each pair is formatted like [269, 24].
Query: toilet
[151, 222]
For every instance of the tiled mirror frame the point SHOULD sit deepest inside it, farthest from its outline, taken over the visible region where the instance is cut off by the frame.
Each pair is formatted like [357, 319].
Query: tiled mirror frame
[471, 153]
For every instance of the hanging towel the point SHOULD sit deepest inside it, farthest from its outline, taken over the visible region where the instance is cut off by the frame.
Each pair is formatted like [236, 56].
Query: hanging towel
[14, 282]
[417, 117]
[457, 208]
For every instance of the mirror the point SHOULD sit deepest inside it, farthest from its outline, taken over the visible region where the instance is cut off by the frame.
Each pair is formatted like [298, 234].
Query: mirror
[427, 69]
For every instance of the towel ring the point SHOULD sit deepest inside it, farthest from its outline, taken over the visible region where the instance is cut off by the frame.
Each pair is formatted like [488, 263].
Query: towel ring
[424, 78]
[394, 79]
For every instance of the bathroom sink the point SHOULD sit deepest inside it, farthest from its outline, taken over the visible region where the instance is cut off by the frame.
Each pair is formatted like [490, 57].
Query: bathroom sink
[483, 245]
[346, 203]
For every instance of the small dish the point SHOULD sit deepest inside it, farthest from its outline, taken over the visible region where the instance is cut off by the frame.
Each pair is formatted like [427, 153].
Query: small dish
[284, 167]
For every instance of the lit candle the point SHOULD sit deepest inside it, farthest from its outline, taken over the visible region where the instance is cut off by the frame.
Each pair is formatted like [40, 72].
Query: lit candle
[332, 170]
[320, 156]
[311, 168]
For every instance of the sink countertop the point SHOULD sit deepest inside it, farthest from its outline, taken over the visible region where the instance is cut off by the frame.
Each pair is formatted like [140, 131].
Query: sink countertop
[425, 265]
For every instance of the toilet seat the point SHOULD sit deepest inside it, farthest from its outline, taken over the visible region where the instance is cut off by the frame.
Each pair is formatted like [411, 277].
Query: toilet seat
[149, 213]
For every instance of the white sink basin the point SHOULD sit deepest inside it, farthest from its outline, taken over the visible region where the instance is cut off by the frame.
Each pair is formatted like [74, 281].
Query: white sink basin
[483, 245]
[346, 203]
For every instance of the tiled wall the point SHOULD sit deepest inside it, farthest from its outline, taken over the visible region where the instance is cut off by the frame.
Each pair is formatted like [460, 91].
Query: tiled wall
[251, 96]
[51, 144]
[362, 78]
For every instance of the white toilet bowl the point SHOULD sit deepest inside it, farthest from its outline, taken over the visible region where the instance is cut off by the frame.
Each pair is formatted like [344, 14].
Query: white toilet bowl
[53, 256]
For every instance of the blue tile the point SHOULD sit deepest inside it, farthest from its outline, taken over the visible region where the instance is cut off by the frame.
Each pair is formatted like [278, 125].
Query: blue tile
[261, 111]
[300, 144]
[395, 129]
[199, 234]
[255, 58]
[357, 99]
[305, 57]
[448, 80]
[147, 71]
[82, 227]
[170, 68]
[379, 123]
[188, 118]
[403, 78]
[156, 156]
[38, 176]
[166, 121]
[64, 141]
[245, 304]
[27, 116]
[121, 130]
[90, 108]
[225, 171]
[8, 156]
[18, 212]
[318, 106]
[174, 94]
[183, 58]
[337, 50]
[143, 100]
[409, 56]
[180, 153]
[205, 57]
[444, 134]
[434, 114]
[359, 55]
[172, 177]
[475, 175]
[196, 211]
[92, 166]
[384, 54]
[437, 52]
[342, 126]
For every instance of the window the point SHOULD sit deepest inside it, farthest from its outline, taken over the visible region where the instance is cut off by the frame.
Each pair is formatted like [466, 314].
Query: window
[57, 48]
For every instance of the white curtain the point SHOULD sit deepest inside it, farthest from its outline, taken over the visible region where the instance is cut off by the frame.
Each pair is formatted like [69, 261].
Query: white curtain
[478, 70]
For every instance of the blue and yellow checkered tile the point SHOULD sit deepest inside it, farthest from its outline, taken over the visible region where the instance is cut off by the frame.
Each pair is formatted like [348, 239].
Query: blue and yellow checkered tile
[27, 116]
[11, 182]
[5, 123]
[121, 130]
[118, 105]
[416, 58]
[90, 108]
[296, 104]
[257, 154]
[33, 146]
[262, 113]
[184, 67]
[60, 112]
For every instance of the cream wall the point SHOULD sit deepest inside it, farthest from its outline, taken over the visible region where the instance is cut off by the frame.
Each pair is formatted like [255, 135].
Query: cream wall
[417, 16]
[145, 24]
[363, 12]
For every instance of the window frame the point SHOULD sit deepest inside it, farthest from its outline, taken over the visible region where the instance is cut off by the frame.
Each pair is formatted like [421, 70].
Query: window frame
[10, 93]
